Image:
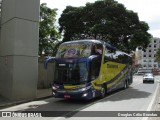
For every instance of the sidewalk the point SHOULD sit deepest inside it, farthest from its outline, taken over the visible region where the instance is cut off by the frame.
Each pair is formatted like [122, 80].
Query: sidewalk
[41, 94]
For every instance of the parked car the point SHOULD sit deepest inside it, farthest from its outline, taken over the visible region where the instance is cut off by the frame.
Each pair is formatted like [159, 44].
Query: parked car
[148, 77]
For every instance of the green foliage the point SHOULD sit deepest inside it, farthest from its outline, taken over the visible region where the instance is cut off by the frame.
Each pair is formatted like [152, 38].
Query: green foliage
[158, 55]
[48, 35]
[107, 20]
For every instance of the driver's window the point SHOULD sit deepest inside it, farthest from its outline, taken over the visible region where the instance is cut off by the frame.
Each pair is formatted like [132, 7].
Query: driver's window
[109, 53]
[97, 49]
[96, 61]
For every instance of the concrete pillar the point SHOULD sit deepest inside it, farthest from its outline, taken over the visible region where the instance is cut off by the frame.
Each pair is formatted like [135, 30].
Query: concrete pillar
[19, 49]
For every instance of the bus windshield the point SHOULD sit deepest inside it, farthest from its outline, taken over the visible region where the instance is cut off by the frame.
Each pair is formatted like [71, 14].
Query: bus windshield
[73, 73]
[74, 50]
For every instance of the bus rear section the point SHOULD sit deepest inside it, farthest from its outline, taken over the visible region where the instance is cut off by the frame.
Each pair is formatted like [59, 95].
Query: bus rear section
[84, 71]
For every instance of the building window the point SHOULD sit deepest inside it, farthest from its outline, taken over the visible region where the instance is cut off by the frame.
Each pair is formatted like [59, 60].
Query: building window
[150, 60]
[149, 45]
[149, 65]
[154, 41]
[144, 65]
[155, 65]
[149, 55]
[149, 50]
[154, 46]
[144, 55]
[144, 61]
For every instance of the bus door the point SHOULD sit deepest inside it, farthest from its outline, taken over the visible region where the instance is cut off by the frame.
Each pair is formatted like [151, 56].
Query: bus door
[97, 51]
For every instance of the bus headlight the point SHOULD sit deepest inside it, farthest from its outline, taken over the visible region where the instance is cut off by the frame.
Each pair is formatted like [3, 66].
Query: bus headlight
[84, 95]
[53, 93]
[84, 89]
[54, 87]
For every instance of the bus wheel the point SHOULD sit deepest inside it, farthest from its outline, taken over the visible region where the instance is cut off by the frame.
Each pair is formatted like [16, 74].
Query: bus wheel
[103, 91]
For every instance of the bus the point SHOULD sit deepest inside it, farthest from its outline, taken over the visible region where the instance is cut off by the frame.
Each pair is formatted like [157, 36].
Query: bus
[85, 69]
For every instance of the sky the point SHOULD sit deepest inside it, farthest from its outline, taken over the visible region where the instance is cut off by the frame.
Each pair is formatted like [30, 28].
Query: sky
[147, 10]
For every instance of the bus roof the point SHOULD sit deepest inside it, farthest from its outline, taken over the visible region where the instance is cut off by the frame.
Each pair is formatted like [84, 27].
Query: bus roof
[107, 45]
[85, 40]
[94, 41]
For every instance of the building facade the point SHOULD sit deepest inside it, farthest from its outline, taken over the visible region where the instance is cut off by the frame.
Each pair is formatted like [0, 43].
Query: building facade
[146, 59]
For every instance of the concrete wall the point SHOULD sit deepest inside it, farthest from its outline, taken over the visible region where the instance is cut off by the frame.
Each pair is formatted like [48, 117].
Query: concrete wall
[45, 77]
[19, 49]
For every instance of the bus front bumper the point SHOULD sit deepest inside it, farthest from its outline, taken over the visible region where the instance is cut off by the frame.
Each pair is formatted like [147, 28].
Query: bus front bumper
[68, 94]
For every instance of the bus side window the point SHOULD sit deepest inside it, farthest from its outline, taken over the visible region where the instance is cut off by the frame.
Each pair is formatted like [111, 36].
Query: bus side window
[108, 54]
[96, 61]
[95, 67]
[97, 49]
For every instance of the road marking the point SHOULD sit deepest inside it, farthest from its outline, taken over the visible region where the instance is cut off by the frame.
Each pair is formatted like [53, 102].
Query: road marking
[152, 102]
[135, 84]
[57, 118]
[154, 96]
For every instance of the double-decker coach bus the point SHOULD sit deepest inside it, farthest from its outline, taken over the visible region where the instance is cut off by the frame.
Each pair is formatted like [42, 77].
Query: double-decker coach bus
[85, 69]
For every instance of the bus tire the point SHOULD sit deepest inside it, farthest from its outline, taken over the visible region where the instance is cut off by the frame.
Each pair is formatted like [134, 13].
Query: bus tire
[103, 91]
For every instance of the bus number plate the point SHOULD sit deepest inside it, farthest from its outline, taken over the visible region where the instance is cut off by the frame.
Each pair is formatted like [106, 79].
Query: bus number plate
[67, 96]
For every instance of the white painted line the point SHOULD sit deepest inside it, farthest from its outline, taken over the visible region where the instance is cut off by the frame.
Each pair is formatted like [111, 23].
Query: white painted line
[152, 102]
[58, 118]
[135, 84]
[153, 98]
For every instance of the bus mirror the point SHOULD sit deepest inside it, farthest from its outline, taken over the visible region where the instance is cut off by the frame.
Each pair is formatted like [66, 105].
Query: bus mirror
[47, 61]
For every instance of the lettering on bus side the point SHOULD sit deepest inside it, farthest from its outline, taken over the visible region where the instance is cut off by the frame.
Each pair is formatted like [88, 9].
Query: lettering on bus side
[112, 66]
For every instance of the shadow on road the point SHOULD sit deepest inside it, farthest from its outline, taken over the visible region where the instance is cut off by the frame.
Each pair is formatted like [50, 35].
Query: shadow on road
[127, 94]
[130, 93]
[70, 108]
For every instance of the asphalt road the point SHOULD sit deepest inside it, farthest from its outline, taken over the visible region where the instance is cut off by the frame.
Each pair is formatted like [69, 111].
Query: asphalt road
[138, 97]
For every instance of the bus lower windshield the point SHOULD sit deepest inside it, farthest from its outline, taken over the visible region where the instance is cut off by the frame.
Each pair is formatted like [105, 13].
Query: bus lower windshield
[71, 74]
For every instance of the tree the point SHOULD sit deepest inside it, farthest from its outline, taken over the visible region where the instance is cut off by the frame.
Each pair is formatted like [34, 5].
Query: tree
[107, 20]
[158, 55]
[48, 34]
[70, 24]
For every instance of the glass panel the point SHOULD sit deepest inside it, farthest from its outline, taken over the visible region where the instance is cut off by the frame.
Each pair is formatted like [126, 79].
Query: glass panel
[95, 67]
[74, 50]
[73, 74]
